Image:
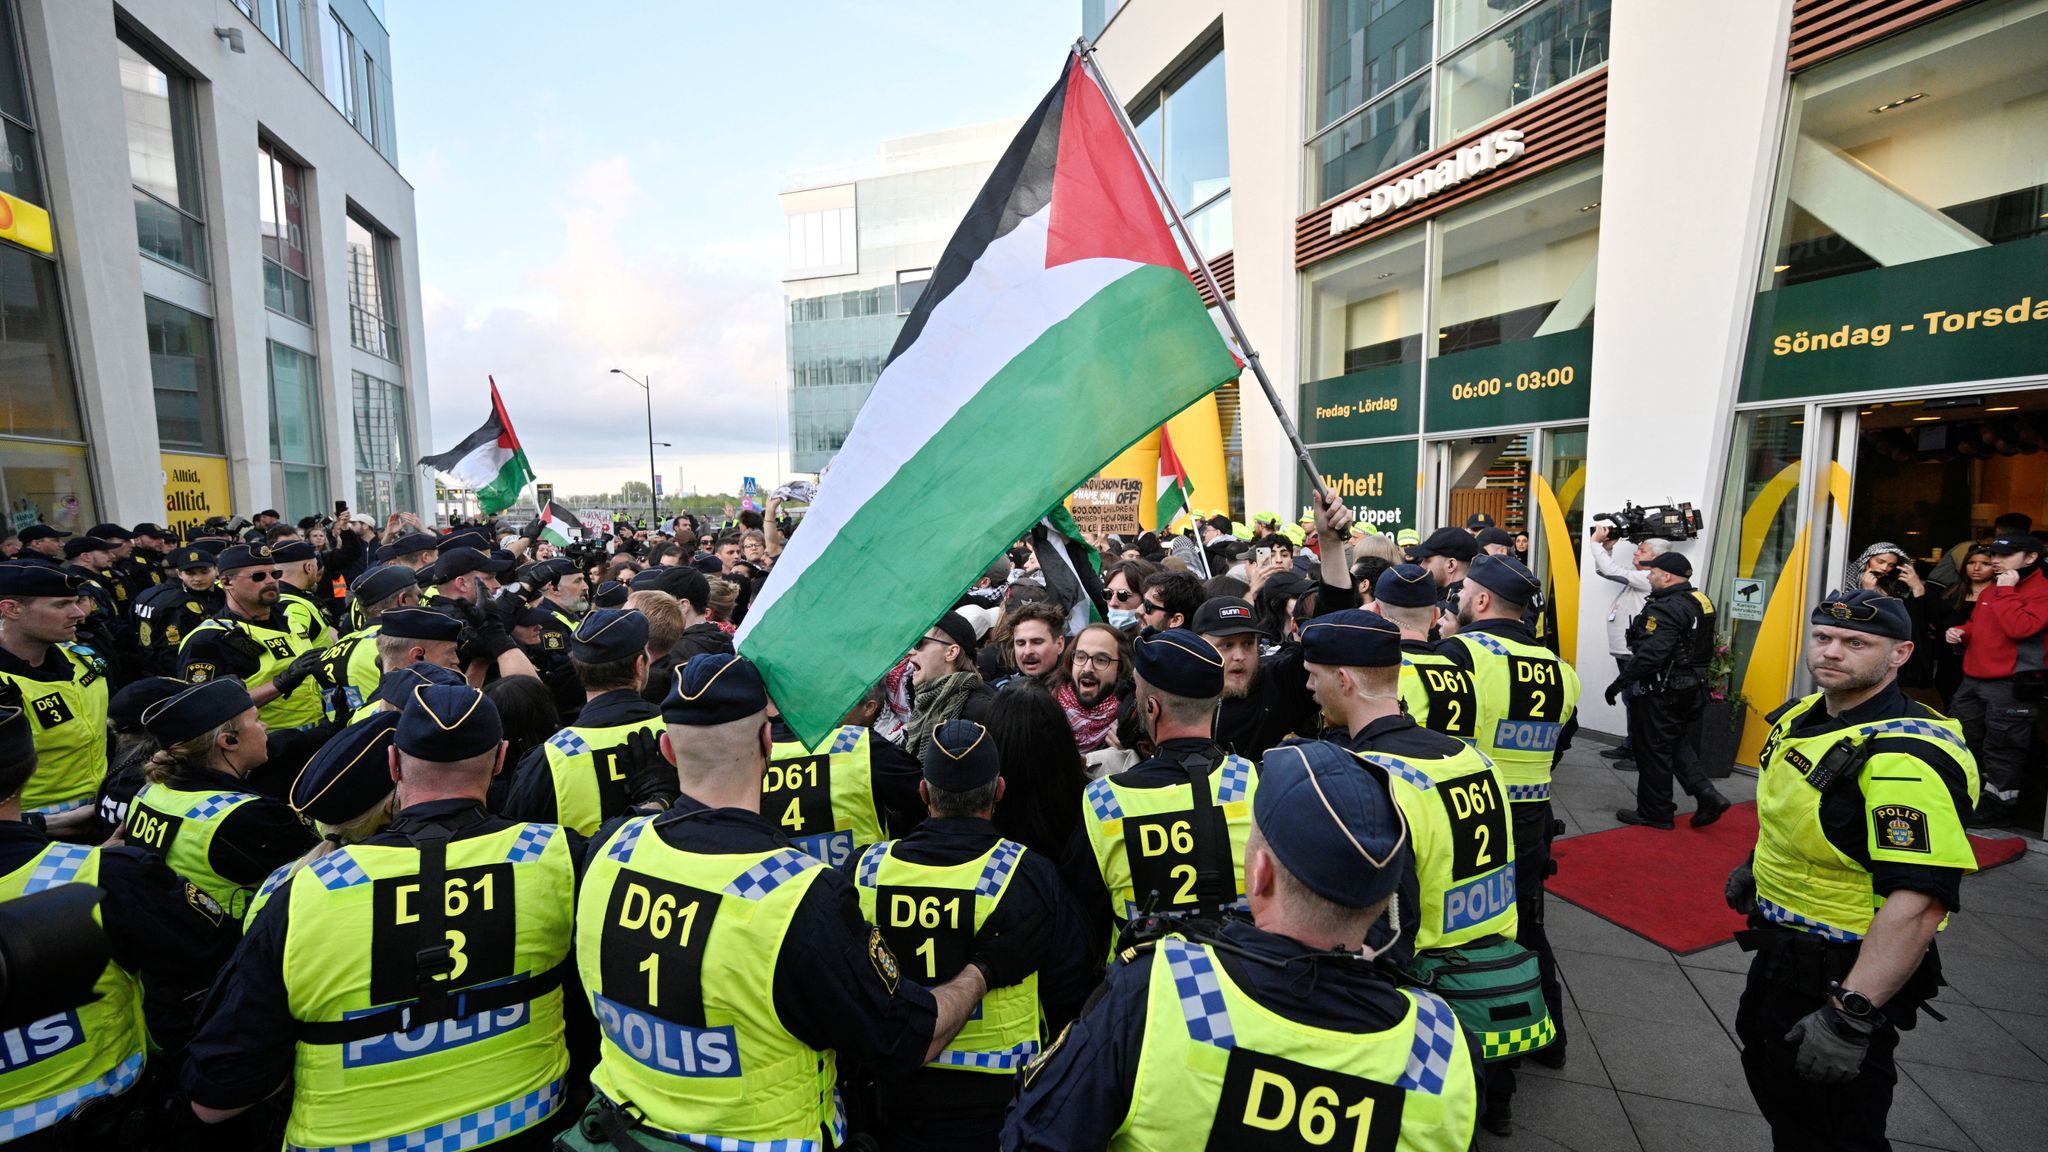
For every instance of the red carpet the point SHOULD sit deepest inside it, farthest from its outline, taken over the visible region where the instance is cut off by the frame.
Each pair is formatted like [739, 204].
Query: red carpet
[1666, 886]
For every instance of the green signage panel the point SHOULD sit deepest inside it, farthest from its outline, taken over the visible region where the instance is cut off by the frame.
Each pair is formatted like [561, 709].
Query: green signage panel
[1376, 481]
[1362, 405]
[1529, 381]
[1976, 315]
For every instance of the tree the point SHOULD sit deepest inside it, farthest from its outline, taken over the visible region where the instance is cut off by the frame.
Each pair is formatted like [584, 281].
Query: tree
[634, 494]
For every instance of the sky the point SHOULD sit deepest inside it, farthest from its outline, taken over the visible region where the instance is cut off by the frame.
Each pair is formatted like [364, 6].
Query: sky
[596, 188]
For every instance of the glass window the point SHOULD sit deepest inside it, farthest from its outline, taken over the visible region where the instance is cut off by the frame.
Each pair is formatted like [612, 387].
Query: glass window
[1927, 145]
[182, 373]
[1184, 129]
[1096, 13]
[163, 159]
[1386, 135]
[37, 397]
[295, 407]
[1520, 59]
[1464, 19]
[20, 174]
[1365, 48]
[338, 63]
[282, 208]
[1520, 263]
[1757, 537]
[281, 23]
[372, 299]
[1365, 311]
[49, 483]
[384, 458]
[823, 243]
[367, 122]
[910, 286]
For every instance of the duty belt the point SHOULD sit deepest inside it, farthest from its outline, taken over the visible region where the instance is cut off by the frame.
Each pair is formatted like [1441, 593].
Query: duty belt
[1528, 793]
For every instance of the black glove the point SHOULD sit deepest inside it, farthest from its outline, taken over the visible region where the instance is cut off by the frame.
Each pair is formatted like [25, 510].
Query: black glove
[493, 638]
[1740, 890]
[247, 647]
[531, 531]
[1614, 688]
[295, 673]
[1008, 957]
[650, 778]
[1831, 1043]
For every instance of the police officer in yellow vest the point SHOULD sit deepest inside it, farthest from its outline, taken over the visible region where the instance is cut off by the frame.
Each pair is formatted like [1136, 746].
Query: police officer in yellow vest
[350, 667]
[1435, 690]
[608, 761]
[61, 687]
[1167, 836]
[1276, 1033]
[410, 985]
[299, 561]
[1670, 646]
[68, 1078]
[1527, 703]
[728, 970]
[841, 794]
[1859, 861]
[198, 810]
[930, 893]
[1461, 893]
[253, 639]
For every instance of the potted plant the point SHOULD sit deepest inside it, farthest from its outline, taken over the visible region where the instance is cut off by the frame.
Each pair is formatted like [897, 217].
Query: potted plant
[1721, 719]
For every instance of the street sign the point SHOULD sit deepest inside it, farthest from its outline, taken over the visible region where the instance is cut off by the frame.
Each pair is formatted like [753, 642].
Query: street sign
[750, 494]
[1746, 597]
[657, 484]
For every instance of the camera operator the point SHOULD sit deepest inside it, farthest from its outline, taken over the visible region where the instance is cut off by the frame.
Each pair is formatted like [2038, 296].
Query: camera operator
[1633, 576]
[1670, 646]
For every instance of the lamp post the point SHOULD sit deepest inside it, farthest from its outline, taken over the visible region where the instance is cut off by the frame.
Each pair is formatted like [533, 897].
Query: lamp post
[653, 513]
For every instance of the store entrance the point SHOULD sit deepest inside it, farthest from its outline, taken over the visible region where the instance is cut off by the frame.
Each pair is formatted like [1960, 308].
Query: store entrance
[1930, 474]
[1531, 483]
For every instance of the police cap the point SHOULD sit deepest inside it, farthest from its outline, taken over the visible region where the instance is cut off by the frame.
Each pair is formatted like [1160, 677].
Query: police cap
[383, 582]
[17, 737]
[37, 578]
[609, 635]
[456, 562]
[237, 556]
[960, 757]
[715, 688]
[35, 532]
[1224, 616]
[1478, 520]
[125, 708]
[193, 559]
[79, 545]
[680, 582]
[1507, 578]
[148, 529]
[448, 723]
[415, 623]
[196, 710]
[1331, 820]
[1671, 562]
[1496, 537]
[110, 532]
[466, 538]
[1456, 543]
[1180, 663]
[292, 551]
[1864, 610]
[350, 774]
[1352, 638]
[411, 543]
[211, 545]
[610, 594]
[550, 570]
[1405, 586]
[395, 687]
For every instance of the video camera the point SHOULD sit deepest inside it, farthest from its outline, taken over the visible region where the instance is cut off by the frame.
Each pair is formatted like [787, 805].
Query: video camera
[1638, 523]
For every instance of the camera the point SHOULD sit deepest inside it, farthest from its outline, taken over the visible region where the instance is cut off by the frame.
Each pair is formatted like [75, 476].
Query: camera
[1638, 523]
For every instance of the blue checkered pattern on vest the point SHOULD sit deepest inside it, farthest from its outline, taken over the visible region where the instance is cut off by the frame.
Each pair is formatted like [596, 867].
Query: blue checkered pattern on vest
[1486, 642]
[1527, 792]
[997, 870]
[1779, 914]
[627, 836]
[1920, 728]
[338, 870]
[1008, 1060]
[493, 1123]
[216, 804]
[1436, 1038]
[37, 1115]
[568, 743]
[1399, 768]
[757, 882]
[728, 1144]
[869, 870]
[1237, 780]
[276, 879]
[531, 842]
[58, 865]
[1102, 801]
[1201, 997]
[846, 740]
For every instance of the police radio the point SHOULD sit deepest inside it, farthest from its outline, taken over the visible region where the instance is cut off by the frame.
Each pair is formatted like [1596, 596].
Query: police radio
[1638, 522]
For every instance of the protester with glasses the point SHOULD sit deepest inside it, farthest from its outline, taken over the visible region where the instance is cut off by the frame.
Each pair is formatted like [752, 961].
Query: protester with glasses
[251, 638]
[1092, 684]
[1169, 600]
[1121, 582]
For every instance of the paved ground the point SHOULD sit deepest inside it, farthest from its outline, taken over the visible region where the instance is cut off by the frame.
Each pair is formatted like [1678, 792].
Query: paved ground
[1654, 1063]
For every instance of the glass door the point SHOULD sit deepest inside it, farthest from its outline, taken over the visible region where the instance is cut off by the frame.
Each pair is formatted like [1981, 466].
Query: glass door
[1556, 524]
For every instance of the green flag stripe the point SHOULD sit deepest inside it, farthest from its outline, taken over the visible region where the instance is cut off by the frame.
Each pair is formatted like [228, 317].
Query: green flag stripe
[503, 492]
[1089, 387]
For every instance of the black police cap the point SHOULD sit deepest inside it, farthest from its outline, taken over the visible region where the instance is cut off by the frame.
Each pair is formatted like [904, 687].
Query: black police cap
[960, 757]
[125, 707]
[1456, 543]
[79, 545]
[383, 582]
[412, 622]
[1478, 520]
[1865, 610]
[412, 543]
[292, 551]
[110, 532]
[1671, 562]
[466, 538]
[1495, 537]
[211, 545]
[239, 556]
[1180, 663]
[193, 559]
[1224, 616]
[37, 578]
[395, 687]
[715, 688]
[1405, 586]
[350, 774]
[1505, 577]
[455, 562]
[610, 594]
[1352, 638]
[608, 635]
[1331, 819]
[550, 570]
[148, 529]
[448, 723]
[35, 532]
[196, 711]
[17, 737]
[679, 581]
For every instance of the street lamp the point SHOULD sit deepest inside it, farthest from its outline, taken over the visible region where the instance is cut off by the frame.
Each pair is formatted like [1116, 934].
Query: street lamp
[653, 513]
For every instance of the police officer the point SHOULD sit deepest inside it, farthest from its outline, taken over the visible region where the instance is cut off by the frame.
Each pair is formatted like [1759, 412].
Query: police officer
[1167, 836]
[413, 982]
[1526, 702]
[457, 586]
[1435, 689]
[727, 969]
[1282, 1030]
[143, 566]
[298, 571]
[1448, 556]
[930, 892]
[345, 791]
[845, 792]
[1670, 646]
[416, 550]
[114, 573]
[63, 1068]
[166, 613]
[105, 626]
[551, 626]
[42, 542]
[1462, 890]
[351, 666]
[609, 760]
[252, 638]
[61, 685]
[1860, 856]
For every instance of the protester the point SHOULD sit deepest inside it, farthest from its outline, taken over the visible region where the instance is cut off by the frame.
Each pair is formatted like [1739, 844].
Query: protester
[1093, 683]
[2003, 657]
[1952, 609]
[1042, 806]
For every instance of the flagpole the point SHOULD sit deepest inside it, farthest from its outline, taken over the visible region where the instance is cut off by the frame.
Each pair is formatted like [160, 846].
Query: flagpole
[1086, 51]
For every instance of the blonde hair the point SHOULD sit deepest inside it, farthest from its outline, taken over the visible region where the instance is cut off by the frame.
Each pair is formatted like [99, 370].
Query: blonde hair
[664, 617]
[165, 762]
[724, 594]
[335, 837]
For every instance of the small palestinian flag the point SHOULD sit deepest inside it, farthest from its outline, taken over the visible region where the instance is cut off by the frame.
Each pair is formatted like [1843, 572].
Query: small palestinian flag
[1176, 491]
[489, 461]
[558, 525]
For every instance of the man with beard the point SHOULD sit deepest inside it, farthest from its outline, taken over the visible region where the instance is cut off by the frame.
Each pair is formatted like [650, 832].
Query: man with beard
[944, 683]
[1038, 639]
[1089, 690]
[252, 638]
[1447, 555]
[1266, 698]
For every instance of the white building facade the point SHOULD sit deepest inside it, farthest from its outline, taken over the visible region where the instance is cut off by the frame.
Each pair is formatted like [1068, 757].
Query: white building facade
[221, 311]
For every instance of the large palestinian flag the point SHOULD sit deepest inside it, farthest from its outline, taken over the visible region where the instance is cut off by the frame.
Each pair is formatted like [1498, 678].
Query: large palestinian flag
[489, 461]
[1058, 328]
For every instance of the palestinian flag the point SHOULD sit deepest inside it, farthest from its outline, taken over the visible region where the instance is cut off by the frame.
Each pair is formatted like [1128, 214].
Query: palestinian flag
[489, 461]
[558, 525]
[1072, 570]
[1059, 328]
[1176, 491]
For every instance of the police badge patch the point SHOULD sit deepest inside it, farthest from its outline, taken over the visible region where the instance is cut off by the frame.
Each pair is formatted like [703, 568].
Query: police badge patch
[1899, 828]
[203, 904]
[883, 960]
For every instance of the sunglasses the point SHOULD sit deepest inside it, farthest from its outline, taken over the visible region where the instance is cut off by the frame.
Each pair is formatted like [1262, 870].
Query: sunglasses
[258, 576]
[1148, 607]
[1122, 594]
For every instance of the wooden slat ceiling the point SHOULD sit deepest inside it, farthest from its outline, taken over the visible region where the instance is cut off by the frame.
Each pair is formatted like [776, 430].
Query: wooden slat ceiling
[1824, 29]
[1224, 268]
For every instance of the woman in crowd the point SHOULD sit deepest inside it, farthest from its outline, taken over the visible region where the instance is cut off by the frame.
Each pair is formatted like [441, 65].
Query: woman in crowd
[1885, 567]
[1042, 768]
[1122, 581]
[1951, 610]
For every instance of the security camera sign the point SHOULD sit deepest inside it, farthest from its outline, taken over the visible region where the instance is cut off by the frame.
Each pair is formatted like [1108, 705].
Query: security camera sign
[1746, 597]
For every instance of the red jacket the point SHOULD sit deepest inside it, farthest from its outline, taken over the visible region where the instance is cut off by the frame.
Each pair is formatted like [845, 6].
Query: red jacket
[2007, 632]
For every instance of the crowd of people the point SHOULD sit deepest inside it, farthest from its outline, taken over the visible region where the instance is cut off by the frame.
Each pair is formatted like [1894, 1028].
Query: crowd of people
[417, 839]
